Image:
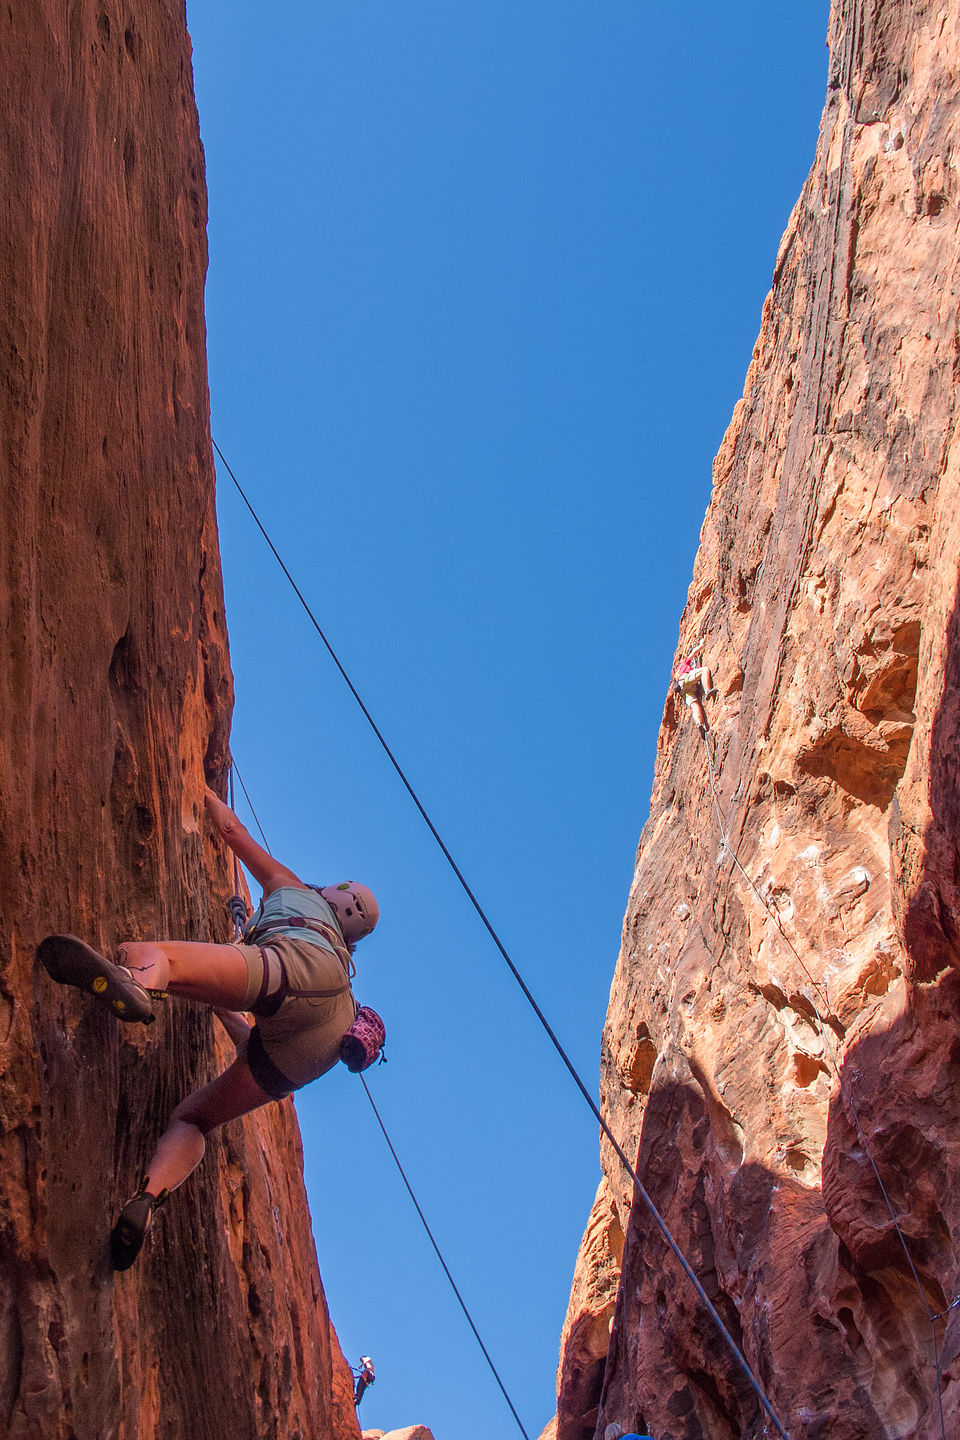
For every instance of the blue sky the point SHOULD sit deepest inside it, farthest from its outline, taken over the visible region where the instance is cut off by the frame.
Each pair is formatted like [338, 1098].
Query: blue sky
[484, 284]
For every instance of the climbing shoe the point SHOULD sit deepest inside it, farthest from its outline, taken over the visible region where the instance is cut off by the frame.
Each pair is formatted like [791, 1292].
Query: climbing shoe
[130, 1231]
[70, 961]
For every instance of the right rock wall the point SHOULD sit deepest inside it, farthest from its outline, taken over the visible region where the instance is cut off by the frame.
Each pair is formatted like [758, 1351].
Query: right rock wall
[784, 1023]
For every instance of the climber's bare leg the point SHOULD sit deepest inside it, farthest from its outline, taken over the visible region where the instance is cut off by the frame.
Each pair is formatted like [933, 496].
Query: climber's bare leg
[695, 705]
[181, 1146]
[215, 974]
[699, 714]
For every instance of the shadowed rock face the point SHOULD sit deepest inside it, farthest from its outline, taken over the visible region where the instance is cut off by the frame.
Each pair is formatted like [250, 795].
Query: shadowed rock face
[825, 590]
[115, 699]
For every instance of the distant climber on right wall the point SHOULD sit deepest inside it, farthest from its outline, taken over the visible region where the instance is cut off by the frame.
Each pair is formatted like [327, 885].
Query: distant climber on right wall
[695, 683]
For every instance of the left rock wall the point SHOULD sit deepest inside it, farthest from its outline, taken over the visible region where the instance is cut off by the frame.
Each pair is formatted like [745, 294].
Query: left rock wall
[115, 702]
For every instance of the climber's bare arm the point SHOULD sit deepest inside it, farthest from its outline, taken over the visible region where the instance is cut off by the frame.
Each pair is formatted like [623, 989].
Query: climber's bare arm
[265, 870]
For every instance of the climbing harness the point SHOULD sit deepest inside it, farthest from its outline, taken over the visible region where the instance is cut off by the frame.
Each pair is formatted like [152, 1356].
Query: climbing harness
[827, 1038]
[658, 1219]
[303, 922]
[362, 1045]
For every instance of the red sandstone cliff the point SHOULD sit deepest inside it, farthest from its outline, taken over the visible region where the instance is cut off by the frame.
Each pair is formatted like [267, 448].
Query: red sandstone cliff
[826, 591]
[115, 698]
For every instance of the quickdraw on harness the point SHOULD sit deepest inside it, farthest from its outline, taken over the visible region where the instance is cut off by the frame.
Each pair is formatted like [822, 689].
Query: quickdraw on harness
[237, 910]
[236, 905]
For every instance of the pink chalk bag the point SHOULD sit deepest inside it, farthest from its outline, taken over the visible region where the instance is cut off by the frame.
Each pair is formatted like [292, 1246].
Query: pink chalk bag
[363, 1043]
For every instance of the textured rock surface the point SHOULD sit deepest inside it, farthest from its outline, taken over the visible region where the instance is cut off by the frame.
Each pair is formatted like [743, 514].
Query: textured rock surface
[825, 590]
[585, 1338]
[115, 698]
[411, 1432]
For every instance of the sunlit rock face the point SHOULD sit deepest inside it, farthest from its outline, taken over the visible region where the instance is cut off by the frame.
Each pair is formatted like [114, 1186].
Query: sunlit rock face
[410, 1432]
[825, 591]
[586, 1332]
[115, 700]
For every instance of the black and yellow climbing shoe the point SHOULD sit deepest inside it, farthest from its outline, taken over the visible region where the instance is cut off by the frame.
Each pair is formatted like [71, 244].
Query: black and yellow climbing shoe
[130, 1231]
[70, 961]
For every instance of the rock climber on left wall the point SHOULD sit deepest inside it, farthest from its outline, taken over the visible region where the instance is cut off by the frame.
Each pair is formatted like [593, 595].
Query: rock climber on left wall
[292, 973]
[364, 1376]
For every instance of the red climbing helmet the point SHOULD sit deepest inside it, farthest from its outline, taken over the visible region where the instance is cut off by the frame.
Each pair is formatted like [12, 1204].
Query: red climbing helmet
[355, 907]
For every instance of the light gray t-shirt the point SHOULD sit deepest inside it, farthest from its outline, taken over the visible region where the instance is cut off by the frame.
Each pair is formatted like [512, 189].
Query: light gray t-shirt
[305, 904]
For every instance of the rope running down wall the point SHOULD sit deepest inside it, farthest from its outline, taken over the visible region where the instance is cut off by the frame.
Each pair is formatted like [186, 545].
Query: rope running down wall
[403, 1174]
[827, 1038]
[658, 1219]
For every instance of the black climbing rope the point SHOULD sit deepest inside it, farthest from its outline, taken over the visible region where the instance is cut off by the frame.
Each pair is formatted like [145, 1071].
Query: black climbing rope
[403, 1176]
[658, 1219]
[446, 1269]
[235, 770]
[827, 1038]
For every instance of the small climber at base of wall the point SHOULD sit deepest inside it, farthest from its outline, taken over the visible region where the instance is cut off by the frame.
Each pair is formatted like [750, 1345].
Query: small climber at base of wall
[695, 683]
[292, 972]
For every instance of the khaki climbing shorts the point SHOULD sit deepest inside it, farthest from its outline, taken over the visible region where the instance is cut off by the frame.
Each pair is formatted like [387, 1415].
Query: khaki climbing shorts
[301, 1040]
